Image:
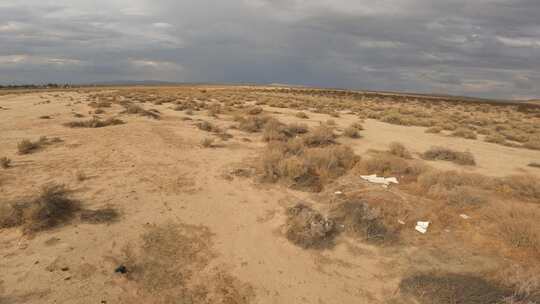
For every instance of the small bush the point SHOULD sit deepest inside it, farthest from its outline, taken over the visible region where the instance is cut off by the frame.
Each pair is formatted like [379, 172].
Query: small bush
[495, 138]
[255, 111]
[534, 165]
[302, 115]
[307, 228]
[5, 162]
[434, 130]
[351, 132]
[207, 142]
[253, 124]
[389, 165]
[26, 146]
[320, 136]
[94, 123]
[399, 150]
[131, 108]
[465, 133]
[51, 208]
[533, 144]
[208, 127]
[441, 153]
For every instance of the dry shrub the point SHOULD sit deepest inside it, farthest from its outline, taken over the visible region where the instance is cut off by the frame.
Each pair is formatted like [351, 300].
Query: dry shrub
[359, 219]
[399, 150]
[450, 288]
[525, 284]
[534, 165]
[396, 119]
[465, 133]
[523, 187]
[495, 138]
[307, 228]
[322, 135]
[131, 108]
[26, 146]
[253, 124]
[301, 115]
[533, 144]
[5, 162]
[463, 196]
[208, 127]
[254, 111]
[518, 225]
[94, 123]
[440, 153]
[385, 164]
[304, 167]
[100, 216]
[434, 130]
[351, 132]
[207, 142]
[51, 208]
[277, 131]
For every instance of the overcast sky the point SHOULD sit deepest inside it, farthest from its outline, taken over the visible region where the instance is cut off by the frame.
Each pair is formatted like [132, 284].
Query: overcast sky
[487, 48]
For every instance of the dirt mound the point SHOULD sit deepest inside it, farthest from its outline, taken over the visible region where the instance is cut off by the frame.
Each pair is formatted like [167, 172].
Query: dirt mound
[307, 228]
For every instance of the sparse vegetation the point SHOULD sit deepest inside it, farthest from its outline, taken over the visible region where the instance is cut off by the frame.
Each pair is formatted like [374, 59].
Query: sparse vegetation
[399, 150]
[446, 154]
[465, 133]
[5, 162]
[94, 123]
[351, 132]
[307, 228]
[301, 115]
[27, 146]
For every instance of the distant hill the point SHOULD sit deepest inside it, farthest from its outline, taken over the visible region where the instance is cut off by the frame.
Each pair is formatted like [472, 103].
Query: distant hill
[132, 83]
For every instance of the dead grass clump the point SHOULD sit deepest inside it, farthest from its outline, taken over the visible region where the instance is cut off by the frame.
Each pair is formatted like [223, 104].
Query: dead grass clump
[320, 136]
[169, 256]
[465, 196]
[434, 181]
[253, 124]
[385, 164]
[301, 115]
[207, 142]
[94, 123]
[100, 216]
[464, 133]
[305, 168]
[446, 154]
[131, 108]
[452, 288]
[51, 208]
[27, 146]
[495, 138]
[277, 131]
[399, 150]
[357, 218]
[523, 187]
[434, 130]
[534, 165]
[5, 162]
[351, 132]
[208, 127]
[307, 228]
[254, 110]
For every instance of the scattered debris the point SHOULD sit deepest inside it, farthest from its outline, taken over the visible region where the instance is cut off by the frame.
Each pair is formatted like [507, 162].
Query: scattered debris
[308, 228]
[422, 227]
[464, 216]
[384, 181]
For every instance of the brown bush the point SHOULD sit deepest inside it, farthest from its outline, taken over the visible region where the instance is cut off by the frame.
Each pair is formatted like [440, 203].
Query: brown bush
[495, 138]
[277, 131]
[389, 165]
[434, 130]
[253, 124]
[441, 153]
[351, 132]
[5, 162]
[307, 228]
[399, 150]
[319, 136]
[207, 142]
[433, 288]
[208, 127]
[254, 111]
[465, 133]
[523, 187]
[303, 167]
[359, 219]
[301, 115]
[94, 123]
[26, 146]
[131, 108]
[51, 208]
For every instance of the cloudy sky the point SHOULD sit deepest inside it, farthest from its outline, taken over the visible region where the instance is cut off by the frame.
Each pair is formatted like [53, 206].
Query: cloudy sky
[488, 48]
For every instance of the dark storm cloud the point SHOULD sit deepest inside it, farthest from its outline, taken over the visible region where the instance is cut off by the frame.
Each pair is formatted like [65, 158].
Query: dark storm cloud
[484, 48]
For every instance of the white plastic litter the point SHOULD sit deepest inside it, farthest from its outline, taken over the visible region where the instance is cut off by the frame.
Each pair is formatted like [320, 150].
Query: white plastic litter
[464, 216]
[338, 192]
[401, 222]
[422, 227]
[385, 181]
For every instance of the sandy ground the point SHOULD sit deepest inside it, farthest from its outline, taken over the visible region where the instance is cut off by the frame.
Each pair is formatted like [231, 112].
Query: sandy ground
[155, 172]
